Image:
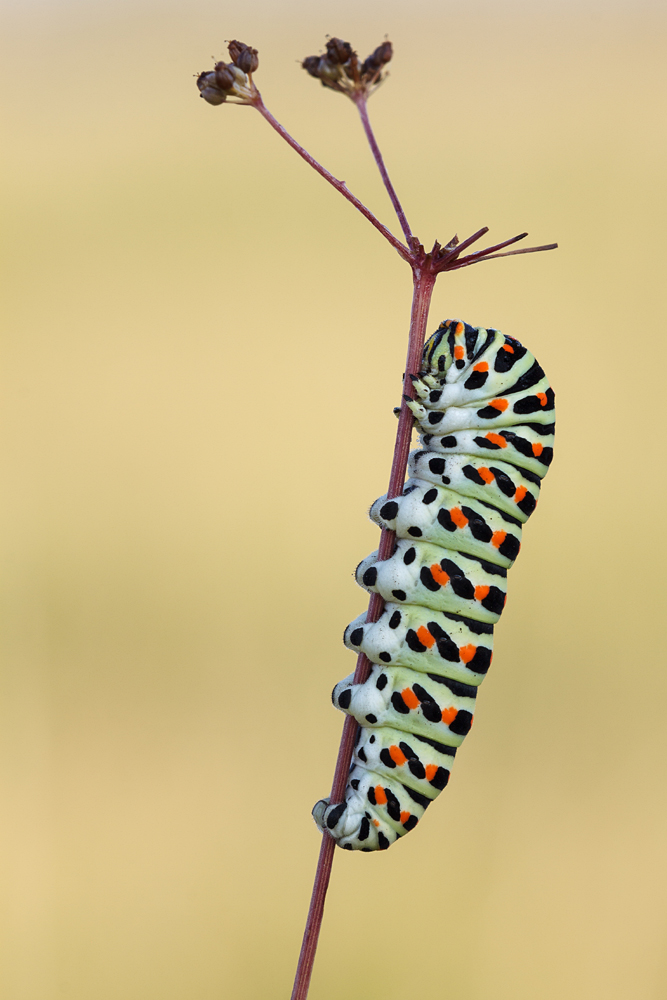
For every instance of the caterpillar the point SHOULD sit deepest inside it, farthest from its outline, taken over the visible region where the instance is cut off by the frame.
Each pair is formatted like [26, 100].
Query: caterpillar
[485, 414]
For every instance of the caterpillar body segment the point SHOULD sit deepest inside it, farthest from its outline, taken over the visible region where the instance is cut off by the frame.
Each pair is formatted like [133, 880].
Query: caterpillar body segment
[448, 646]
[421, 573]
[525, 449]
[394, 695]
[441, 516]
[485, 413]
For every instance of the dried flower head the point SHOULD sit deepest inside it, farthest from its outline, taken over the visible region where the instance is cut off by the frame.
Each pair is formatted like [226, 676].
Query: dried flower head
[339, 68]
[375, 62]
[231, 79]
[243, 56]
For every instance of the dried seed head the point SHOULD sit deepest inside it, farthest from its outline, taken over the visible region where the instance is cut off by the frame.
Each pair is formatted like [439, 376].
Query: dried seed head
[378, 59]
[248, 61]
[339, 51]
[339, 68]
[208, 89]
[224, 78]
[235, 48]
[311, 64]
[243, 56]
[231, 79]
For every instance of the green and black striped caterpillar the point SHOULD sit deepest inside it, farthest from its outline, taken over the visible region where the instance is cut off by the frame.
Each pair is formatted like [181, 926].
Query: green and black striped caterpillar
[485, 412]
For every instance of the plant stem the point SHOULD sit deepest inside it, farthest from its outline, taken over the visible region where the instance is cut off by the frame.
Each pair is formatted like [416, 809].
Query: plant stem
[362, 108]
[487, 255]
[423, 282]
[258, 103]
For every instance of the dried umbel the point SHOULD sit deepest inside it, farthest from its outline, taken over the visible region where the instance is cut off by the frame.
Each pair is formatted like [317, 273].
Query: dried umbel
[231, 79]
[339, 68]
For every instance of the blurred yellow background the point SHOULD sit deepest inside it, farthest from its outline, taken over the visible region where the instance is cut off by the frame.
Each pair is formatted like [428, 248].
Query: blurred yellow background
[204, 347]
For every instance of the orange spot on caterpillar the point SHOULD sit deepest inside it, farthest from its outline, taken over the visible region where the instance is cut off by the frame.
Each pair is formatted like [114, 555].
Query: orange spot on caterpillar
[467, 652]
[483, 366]
[520, 493]
[425, 637]
[459, 329]
[397, 756]
[448, 715]
[481, 593]
[537, 449]
[458, 517]
[376, 822]
[496, 439]
[410, 698]
[431, 771]
[459, 352]
[499, 404]
[486, 474]
[508, 348]
[439, 575]
[405, 816]
[497, 538]
[380, 795]
[542, 396]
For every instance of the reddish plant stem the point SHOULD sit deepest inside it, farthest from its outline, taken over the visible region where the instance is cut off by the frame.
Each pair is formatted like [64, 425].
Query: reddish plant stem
[486, 255]
[362, 108]
[423, 282]
[339, 185]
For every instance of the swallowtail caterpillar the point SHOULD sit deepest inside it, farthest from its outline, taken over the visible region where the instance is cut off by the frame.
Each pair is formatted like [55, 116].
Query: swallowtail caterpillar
[485, 413]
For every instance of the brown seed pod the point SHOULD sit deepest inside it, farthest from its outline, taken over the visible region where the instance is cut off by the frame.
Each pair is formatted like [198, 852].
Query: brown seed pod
[248, 60]
[224, 78]
[338, 51]
[376, 60]
[311, 64]
[235, 48]
[243, 56]
[209, 90]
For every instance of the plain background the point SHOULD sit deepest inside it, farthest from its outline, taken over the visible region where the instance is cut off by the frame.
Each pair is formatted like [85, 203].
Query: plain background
[204, 348]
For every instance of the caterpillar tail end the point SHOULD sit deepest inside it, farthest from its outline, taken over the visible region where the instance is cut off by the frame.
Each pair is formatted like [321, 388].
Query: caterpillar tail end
[353, 827]
[331, 819]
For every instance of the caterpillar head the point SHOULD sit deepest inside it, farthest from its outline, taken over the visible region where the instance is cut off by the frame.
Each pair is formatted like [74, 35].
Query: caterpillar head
[452, 346]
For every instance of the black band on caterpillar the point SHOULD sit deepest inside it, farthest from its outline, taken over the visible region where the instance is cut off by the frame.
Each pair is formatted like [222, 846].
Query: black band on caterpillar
[486, 415]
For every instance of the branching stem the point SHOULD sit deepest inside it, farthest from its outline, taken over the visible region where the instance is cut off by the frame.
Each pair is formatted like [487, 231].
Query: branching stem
[340, 186]
[362, 108]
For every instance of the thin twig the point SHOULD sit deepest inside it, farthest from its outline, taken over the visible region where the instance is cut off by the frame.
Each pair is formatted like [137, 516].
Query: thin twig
[361, 102]
[424, 280]
[339, 185]
[475, 259]
[496, 246]
[499, 246]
